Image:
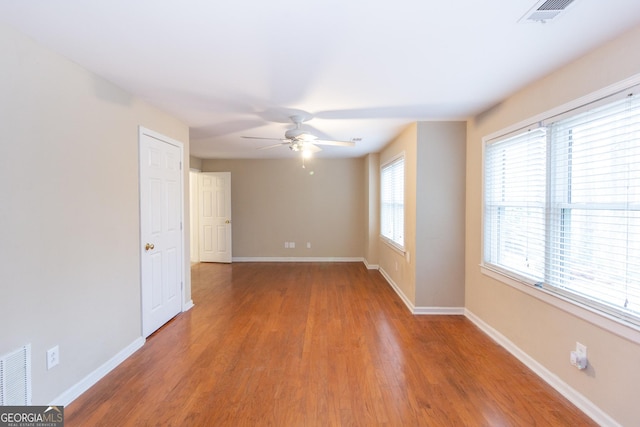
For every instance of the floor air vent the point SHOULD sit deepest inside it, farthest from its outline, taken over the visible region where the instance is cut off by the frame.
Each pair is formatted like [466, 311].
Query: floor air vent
[15, 377]
[546, 10]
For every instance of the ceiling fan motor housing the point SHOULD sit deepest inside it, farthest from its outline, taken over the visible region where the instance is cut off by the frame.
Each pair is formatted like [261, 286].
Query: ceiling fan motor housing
[298, 135]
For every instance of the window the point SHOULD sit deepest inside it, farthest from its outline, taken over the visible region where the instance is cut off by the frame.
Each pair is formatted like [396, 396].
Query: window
[392, 202]
[562, 206]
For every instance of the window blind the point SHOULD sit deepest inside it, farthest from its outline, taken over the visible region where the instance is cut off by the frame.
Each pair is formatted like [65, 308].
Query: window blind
[392, 201]
[515, 193]
[594, 239]
[562, 206]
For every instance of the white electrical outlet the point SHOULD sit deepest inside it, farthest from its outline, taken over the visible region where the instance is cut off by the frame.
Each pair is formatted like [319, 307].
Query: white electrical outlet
[579, 356]
[292, 245]
[53, 357]
[308, 245]
[286, 245]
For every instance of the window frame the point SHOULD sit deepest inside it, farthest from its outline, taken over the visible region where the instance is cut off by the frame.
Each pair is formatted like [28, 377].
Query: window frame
[400, 247]
[629, 329]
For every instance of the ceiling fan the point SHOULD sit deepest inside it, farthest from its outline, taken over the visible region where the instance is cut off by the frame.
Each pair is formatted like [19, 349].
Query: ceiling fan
[302, 140]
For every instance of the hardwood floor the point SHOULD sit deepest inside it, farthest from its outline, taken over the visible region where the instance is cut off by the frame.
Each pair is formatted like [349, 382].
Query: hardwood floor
[316, 344]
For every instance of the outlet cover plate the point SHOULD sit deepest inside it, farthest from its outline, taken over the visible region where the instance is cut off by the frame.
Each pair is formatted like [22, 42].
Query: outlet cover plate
[53, 357]
[581, 349]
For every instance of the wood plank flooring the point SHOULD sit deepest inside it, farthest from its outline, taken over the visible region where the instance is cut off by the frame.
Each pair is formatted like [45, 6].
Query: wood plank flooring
[316, 344]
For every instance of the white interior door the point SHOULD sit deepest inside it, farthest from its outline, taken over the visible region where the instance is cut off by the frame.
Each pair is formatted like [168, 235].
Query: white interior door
[162, 255]
[215, 216]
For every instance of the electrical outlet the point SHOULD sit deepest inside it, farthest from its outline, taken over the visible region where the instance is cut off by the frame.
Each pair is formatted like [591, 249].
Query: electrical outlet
[292, 245]
[579, 356]
[53, 357]
[286, 245]
[308, 245]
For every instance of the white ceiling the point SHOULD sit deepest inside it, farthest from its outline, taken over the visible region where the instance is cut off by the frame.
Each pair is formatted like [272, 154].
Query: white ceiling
[360, 69]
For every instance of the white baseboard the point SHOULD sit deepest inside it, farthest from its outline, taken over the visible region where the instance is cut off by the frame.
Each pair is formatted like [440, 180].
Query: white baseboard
[397, 289]
[75, 391]
[370, 266]
[439, 311]
[457, 311]
[187, 305]
[298, 259]
[584, 404]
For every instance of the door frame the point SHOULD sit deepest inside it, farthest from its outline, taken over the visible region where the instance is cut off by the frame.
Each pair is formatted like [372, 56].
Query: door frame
[142, 131]
[194, 213]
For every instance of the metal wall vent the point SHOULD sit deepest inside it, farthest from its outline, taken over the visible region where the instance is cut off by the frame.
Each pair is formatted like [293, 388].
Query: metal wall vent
[15, 377]
[545, 10]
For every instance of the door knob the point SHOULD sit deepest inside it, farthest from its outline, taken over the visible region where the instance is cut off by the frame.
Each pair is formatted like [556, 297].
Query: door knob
[149, 246]
[227, 222]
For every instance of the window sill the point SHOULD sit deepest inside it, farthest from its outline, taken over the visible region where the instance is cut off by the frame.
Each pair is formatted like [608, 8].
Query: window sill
[603, 320]
[393, 245]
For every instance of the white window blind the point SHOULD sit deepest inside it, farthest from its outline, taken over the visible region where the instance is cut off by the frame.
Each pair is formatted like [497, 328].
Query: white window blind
[515, 194]
[594, 239]
[392, 201]
[562, 206]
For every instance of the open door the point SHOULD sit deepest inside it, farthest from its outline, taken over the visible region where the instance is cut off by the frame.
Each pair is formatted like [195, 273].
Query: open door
[214, 205]
[161, 231]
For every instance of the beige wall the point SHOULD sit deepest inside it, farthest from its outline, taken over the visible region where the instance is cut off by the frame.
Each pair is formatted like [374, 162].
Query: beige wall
[195, 163]
[394, 264]
[430, 274]
[69, 215]
[440, 200]
[546, 333]
[276, 200]
[372, 205]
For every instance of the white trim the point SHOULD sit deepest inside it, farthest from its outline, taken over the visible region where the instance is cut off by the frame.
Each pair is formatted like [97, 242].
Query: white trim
[393, 245]
[87, 382]
[439, 311]
[607, 322]
[188, 305]
[580, 401]
[398, 156]
[435, 311]
[370, 266]
[298, 259]
[397, 289]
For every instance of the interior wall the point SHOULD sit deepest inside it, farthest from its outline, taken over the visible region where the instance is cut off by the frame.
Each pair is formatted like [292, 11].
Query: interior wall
[440, 201]
[546, 333]
[195, 163]
[274, 201]
[69, 217]
[372, 205]
[394, 264]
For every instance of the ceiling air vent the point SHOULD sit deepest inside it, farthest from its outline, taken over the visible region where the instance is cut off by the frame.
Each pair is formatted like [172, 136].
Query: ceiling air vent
[545, 10]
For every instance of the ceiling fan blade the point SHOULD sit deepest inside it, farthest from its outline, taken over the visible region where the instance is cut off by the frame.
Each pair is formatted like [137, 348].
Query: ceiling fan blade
[273, 146]
[311, 147]
[336, 143]
[268, 139]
